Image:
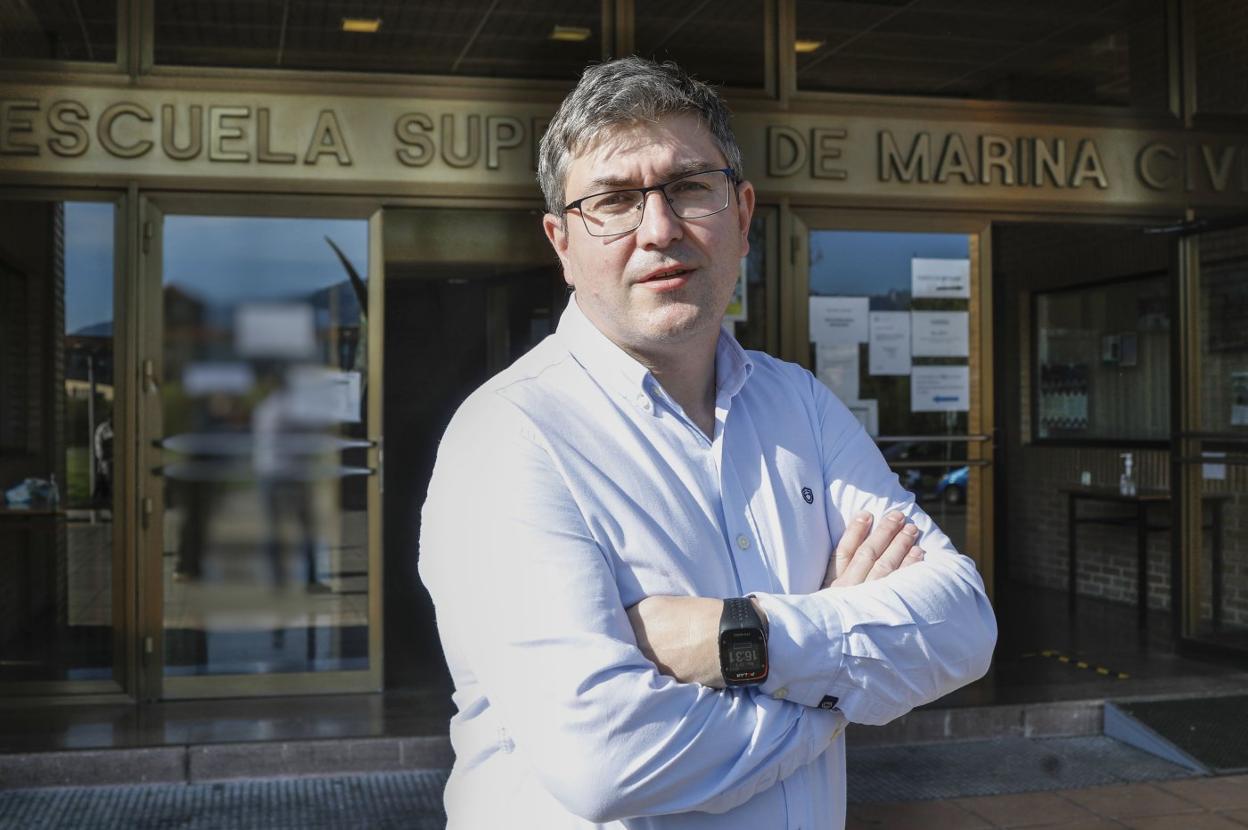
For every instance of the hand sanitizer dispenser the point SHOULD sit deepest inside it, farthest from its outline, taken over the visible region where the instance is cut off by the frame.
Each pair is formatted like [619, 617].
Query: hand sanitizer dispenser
[1126, 482]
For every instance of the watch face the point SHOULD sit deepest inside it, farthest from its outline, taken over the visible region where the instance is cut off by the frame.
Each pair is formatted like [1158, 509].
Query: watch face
[743, 656]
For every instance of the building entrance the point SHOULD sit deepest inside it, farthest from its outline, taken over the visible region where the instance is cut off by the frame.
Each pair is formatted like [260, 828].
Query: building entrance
[467, 292]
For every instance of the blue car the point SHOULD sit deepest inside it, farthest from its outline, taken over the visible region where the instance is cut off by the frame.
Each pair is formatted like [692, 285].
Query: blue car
[952, 486]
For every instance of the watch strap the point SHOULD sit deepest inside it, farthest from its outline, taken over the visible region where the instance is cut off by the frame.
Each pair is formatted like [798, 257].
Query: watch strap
[739, 613]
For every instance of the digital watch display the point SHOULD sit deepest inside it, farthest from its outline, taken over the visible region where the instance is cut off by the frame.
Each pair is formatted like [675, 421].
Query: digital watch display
[742, 644]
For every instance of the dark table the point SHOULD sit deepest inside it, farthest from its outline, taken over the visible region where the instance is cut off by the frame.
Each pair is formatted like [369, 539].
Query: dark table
[1138, 518]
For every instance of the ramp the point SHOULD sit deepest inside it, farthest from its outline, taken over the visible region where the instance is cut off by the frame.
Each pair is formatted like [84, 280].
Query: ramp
[1208, 735]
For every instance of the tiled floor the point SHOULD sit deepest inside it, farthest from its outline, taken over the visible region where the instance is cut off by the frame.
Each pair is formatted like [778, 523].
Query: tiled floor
[1187, 804]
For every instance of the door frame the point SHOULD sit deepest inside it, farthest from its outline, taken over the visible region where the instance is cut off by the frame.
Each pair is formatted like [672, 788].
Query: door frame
[797, 222]
[1187, 444]
[149, 507]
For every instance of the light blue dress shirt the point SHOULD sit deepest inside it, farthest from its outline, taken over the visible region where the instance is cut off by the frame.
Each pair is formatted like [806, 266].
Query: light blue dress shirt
[571, 486]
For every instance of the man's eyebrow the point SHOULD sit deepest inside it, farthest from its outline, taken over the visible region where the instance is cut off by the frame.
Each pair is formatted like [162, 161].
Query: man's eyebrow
[683, 168]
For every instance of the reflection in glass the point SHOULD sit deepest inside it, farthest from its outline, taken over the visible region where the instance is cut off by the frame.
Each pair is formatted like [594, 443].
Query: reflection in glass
[863, 351]
[554, 39]
[266, 523]
[82, 30]
[1104, 53]
[56, 441]
[718, 42]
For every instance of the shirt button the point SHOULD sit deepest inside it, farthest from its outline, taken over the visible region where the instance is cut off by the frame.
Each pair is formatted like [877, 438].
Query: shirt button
[781, 693]
[643, 400]
[743, 542]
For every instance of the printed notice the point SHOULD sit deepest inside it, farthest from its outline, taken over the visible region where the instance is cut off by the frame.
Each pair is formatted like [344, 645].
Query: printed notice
[837, 321]
[940, 389]
[940, 278]
[868, 414]
[889, 349]
[939, 333]
[837, 368]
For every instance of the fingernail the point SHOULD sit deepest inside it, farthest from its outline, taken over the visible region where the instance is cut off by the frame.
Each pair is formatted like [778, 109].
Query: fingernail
[910, 530]
[863, 518]
[896, 517]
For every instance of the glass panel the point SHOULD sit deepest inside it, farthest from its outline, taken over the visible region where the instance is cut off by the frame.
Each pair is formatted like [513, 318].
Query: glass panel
[720, 42]
[1103, 361]
[1224, 411]
[467, 293]
[1221, 71]
[1109, 52]
[553, 39]
[64, 30]
[56, 441]
[889, 327]
[266, 503]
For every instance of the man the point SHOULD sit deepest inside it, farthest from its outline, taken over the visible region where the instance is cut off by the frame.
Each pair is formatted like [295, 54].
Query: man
[668, 571]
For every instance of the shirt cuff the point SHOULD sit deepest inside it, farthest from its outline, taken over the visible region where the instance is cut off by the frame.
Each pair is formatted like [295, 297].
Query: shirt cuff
[805, 649]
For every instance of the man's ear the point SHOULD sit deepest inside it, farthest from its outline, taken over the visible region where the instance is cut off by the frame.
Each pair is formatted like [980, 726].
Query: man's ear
[557, 233]
[745, 212]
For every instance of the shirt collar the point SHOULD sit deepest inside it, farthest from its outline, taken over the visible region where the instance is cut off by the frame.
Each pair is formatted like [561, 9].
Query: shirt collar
[623, 374]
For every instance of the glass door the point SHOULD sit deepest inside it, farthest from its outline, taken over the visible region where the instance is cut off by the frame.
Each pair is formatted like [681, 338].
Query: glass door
[260, 494]
[892, 324]
[1212, 449]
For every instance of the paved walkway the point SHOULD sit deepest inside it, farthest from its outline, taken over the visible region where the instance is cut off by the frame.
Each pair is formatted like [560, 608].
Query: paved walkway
[1186, 804]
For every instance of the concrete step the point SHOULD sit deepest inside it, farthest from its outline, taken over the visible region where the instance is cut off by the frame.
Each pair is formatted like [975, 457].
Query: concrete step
[201, 762]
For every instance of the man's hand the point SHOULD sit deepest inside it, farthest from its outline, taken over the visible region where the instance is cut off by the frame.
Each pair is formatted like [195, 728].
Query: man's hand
[680, 635]
[864, 554]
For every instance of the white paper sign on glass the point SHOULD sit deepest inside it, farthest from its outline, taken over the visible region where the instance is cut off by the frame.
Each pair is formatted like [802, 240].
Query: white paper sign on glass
[321, 396]
[211, 378]
[836, 321]
[868, 414]
[837, 368]
[940, 389]
[275, 331]
[889, 347]
[940, 278]
[940, 333]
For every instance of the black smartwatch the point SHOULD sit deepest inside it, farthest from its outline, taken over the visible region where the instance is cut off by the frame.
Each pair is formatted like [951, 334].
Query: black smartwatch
[742, 644]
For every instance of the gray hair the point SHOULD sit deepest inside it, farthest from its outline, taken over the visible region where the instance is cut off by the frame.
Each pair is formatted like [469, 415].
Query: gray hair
[626, 91]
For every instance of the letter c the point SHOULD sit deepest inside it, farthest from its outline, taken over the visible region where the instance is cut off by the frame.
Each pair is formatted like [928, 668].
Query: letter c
[116, 148]
[1145, 165]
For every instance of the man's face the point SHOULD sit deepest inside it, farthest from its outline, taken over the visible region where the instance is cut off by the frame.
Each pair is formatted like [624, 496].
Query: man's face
[671, 279]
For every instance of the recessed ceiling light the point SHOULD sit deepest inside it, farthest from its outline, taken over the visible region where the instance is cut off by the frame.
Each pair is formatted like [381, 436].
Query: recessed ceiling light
[572, 34]
[367, 25]
[805, 47]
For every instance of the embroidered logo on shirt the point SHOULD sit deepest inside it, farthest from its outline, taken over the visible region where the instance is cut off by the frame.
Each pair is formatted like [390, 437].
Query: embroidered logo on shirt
[809, 495]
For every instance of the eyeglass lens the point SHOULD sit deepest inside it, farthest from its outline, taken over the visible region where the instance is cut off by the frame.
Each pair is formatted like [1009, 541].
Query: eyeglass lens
[690, 197]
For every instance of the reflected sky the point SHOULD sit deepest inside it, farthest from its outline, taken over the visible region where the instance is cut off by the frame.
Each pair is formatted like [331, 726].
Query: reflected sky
[226, 259]
[88, 265]
[871, 263]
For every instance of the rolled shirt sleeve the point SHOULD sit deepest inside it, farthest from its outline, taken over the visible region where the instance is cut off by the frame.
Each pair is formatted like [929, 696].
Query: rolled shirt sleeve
[876, 650]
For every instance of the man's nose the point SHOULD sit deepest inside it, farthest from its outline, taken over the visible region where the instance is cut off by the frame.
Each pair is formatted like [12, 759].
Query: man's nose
[659, 223]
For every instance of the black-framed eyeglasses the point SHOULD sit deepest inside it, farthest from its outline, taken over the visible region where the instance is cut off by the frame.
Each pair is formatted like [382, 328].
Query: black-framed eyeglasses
[692, 196]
